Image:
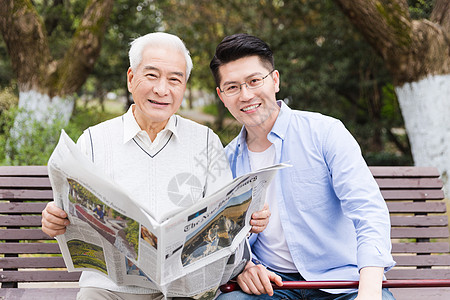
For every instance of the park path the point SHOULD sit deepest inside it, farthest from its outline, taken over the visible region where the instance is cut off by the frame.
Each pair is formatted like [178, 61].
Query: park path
[202, 118]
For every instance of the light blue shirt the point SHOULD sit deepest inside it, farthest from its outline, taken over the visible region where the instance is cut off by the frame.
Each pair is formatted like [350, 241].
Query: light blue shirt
[334, 217]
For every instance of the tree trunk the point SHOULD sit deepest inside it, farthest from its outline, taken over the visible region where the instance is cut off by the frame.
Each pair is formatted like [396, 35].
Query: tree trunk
[425, 106]
[417, 54]
[46, 85]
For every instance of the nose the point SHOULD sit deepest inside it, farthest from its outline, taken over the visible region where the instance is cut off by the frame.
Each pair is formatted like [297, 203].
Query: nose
[160, 88]
[245, 94]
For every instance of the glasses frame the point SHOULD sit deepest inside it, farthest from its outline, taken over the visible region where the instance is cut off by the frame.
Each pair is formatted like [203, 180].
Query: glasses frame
[246, 84]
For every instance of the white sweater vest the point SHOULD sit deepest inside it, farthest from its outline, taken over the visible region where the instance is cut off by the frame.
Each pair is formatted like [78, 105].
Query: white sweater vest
[179, 172]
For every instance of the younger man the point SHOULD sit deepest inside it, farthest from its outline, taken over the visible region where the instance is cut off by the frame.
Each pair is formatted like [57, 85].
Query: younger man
[329, 220]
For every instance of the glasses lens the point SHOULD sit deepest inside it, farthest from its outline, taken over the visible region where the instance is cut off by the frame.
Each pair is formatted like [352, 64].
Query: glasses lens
[231, 89]
[255, 82]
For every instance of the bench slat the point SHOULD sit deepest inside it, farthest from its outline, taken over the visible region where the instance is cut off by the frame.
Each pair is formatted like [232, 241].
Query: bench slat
[424, 247]
[409, 273]
[403, 221]
[23, 234]
[422, 260]
[39, 276]
[30, 248]
[23, 171]
[415, 183]
[25, 182]
[431, 232]
[417, 207]
[26, 194]
[32, 262]
[421, 293]
[26, 221]
[386, 171]
[405, 194]
[22, 208]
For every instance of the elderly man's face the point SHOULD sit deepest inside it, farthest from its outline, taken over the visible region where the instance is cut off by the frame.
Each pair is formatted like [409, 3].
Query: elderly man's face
[157, 86]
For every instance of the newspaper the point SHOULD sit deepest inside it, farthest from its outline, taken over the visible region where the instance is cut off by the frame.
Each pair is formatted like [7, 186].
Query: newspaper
[190, 252]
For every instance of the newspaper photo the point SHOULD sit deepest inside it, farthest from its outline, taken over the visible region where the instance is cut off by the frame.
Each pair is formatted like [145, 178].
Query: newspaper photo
[190, 252]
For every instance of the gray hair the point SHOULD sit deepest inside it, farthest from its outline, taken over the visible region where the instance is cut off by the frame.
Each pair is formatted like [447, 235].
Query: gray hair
[157, 39]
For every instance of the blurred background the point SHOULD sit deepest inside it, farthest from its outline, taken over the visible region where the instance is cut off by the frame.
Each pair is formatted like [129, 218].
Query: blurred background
[325, 62]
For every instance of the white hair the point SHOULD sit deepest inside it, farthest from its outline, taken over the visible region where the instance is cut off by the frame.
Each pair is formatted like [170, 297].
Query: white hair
[157, 39]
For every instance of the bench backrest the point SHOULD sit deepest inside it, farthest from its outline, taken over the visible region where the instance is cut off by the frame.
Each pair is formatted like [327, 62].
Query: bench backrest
[420, 232]
[24, 192]
[413, 194]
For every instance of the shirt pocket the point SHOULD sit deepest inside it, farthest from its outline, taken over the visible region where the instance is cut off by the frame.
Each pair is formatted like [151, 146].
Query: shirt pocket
[310, 188]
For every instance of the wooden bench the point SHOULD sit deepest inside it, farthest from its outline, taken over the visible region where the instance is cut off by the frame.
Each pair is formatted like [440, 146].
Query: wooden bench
[420, 231]
[414, 196]
[26, 253]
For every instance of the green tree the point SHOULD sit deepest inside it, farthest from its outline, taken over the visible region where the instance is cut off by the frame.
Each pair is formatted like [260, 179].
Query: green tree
[129, 20]
[311, 41]
[48, 73]
[202, 24]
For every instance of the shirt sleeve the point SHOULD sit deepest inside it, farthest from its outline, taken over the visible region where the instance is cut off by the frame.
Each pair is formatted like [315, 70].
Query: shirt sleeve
[360, 197]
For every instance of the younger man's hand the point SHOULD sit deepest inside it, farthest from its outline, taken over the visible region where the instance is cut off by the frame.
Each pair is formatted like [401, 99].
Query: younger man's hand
[260, 219]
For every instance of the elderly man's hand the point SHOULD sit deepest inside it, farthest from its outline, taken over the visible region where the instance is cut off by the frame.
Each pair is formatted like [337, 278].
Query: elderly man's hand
[260, 219]
[54, 220]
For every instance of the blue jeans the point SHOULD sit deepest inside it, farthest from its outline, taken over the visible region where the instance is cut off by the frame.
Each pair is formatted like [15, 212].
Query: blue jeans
[301, 294]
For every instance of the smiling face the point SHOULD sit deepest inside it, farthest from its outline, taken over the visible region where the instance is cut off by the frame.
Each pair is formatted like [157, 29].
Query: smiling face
[251, 107]
[157, 86]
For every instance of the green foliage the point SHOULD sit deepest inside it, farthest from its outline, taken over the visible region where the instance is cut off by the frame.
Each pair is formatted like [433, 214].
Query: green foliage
[211, 109]
[390, 110]
[36, 143]
[325, 64]
[33, 145]
[8, 100]
[387, 159]
[6, 74]
[420, 9]
[84, 117]
[61, 18]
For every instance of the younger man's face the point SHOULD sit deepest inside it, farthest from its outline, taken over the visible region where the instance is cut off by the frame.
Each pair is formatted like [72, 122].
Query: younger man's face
[251, 107]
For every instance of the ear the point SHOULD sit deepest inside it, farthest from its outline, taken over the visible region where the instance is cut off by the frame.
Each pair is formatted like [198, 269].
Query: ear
[276, 80]
[130, 76]
[220, 96]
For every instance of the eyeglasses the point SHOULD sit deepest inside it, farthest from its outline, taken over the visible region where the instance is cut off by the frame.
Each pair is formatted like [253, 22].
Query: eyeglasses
[232, 89]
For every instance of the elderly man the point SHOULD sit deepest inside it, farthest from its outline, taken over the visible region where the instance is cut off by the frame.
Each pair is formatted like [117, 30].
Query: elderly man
[149, 148]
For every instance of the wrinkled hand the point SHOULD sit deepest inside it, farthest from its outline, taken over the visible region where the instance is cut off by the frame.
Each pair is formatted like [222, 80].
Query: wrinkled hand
[54, 220]
[260, 219]
[256, 279]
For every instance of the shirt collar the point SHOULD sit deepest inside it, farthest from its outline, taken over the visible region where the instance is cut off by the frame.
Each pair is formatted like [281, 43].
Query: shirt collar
[282, 122]
[132, 128]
